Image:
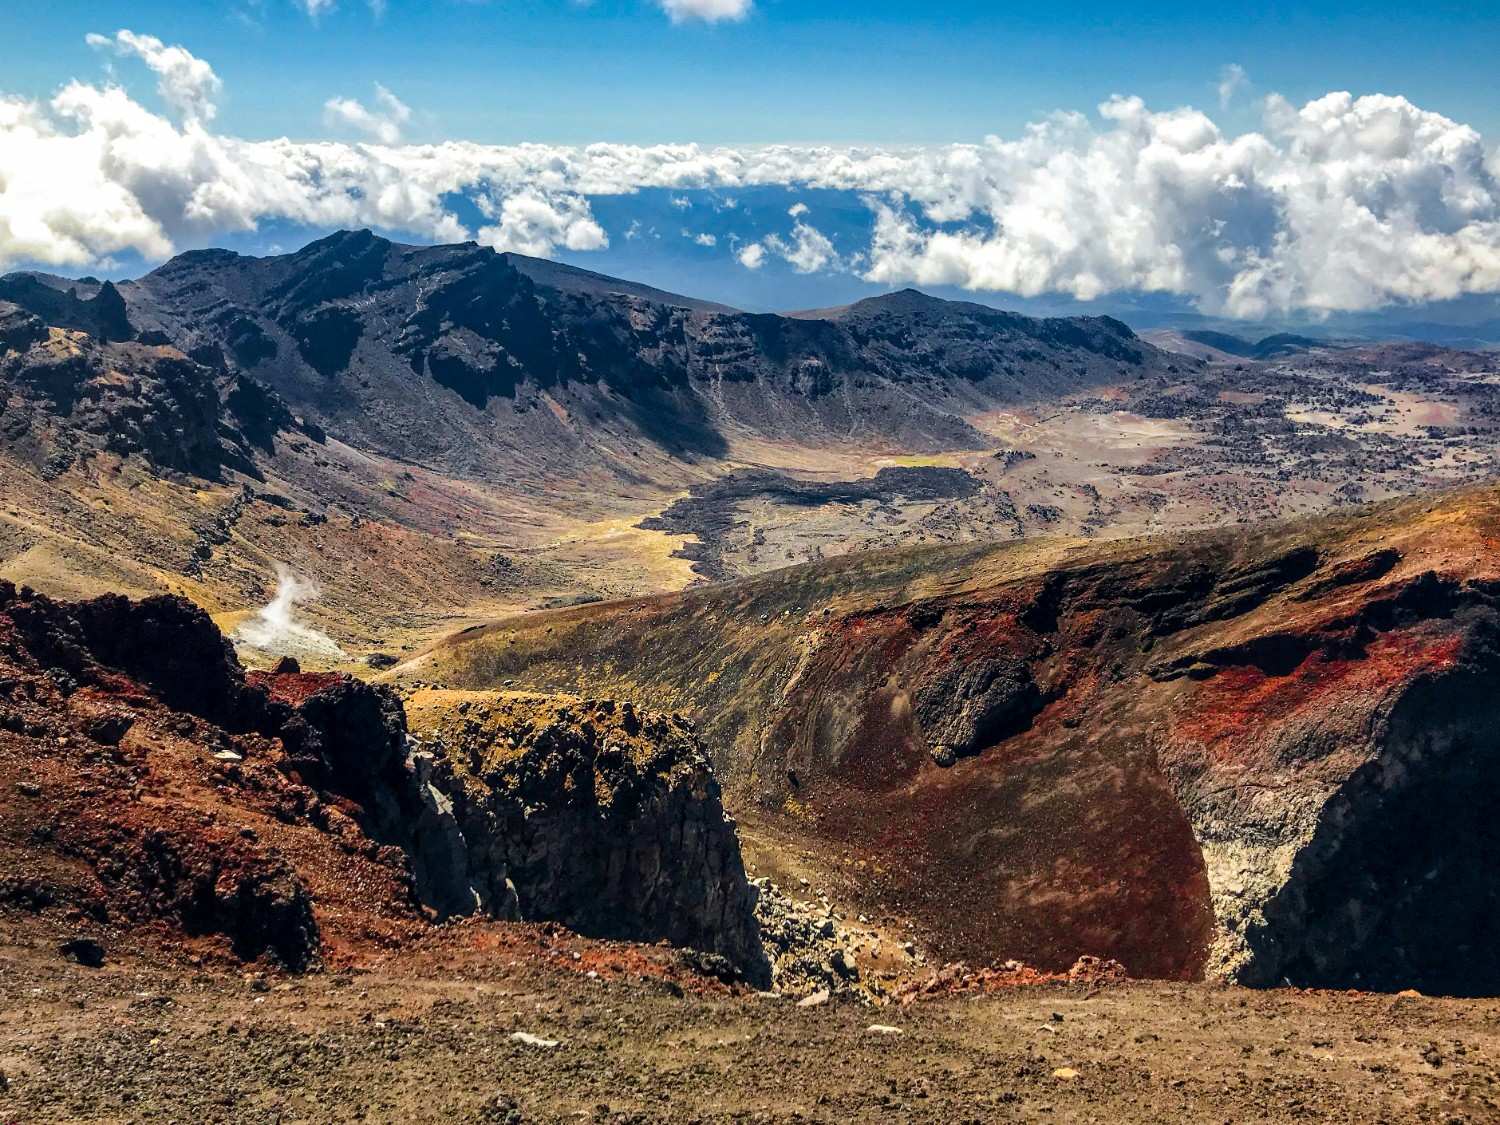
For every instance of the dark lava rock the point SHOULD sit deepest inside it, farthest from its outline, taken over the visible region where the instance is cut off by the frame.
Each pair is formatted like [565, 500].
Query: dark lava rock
[108, 729]
[19, 329]
[86, 951]
[972, 704]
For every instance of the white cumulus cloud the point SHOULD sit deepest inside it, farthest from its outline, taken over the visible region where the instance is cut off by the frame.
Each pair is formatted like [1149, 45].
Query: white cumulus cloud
[185, 82]
[384, 122]
[535, 222]
[710, 11]
[1342, 203]
[808, 251]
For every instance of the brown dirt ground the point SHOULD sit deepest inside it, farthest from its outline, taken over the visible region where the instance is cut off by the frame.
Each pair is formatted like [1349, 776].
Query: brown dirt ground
[427, 1036]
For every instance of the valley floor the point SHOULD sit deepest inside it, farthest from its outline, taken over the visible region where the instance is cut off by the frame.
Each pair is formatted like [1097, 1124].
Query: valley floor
[427, 1035]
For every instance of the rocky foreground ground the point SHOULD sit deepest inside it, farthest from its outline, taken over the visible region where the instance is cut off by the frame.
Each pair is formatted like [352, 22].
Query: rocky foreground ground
[505, 1023]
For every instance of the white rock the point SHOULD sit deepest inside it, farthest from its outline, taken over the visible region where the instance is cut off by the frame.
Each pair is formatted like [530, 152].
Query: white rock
[531, 1040]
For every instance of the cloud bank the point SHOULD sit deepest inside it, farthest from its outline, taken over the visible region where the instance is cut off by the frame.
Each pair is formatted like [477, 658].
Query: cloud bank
[1341, 204]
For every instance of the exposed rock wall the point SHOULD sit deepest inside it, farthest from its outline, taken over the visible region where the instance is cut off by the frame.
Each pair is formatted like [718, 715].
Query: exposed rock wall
[593, 813]
[1383, 876]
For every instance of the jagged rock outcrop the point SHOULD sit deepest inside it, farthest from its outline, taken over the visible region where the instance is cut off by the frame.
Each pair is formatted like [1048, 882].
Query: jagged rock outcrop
[975, 703]
[101, 313]
[73, 395]
[116, 775]
[146, 779]
[593, 813]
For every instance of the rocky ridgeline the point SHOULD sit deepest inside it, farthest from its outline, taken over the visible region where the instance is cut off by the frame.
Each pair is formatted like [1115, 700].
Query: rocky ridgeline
[66, 397]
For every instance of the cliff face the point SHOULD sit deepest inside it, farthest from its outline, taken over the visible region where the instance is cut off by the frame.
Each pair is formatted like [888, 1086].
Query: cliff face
[593, 813]
[146, 781]
[1262, 757]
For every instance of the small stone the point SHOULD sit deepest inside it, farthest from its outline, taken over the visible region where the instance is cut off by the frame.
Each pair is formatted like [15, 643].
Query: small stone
[943, 756]
[1065, 1073]
[814, 1000]
[228, 756]
[884, 1029]
[525, 1038]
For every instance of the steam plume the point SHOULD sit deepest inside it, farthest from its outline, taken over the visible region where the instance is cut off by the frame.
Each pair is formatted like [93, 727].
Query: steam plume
[275, 630]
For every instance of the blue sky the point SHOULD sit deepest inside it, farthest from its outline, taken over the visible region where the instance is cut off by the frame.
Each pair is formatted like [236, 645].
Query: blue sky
[1270, 162]
[792, 70]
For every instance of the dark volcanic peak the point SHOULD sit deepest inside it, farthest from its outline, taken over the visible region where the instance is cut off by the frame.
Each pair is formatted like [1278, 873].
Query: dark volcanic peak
[442, 354]
[96, 309]
[1094, 333]
[901, 300]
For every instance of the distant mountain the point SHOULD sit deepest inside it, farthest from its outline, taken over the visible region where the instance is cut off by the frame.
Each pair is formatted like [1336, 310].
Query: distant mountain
[449, 427]
[495, 365]
[1268, 347]
[572, 279]
[1481, 335]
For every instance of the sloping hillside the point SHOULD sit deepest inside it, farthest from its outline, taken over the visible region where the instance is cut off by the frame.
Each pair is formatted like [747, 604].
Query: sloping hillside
[1260, 755]
[436, 436]
[430, 433]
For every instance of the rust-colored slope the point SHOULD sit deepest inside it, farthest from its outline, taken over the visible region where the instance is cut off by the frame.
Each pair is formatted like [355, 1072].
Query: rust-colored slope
[1173, 753]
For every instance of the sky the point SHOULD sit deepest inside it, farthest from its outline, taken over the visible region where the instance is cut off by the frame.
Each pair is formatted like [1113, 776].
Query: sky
[1268, 161]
